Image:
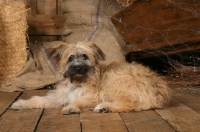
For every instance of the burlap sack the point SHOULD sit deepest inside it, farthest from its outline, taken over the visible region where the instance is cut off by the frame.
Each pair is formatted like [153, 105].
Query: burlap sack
[39, 71]
[89, 20]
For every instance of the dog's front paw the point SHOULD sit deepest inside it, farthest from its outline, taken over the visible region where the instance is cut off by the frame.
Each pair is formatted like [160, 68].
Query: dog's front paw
[19, 105]
[70, 110]
[100, 109]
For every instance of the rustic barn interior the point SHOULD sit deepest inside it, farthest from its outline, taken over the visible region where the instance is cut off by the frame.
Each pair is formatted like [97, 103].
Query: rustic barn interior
[161, 34]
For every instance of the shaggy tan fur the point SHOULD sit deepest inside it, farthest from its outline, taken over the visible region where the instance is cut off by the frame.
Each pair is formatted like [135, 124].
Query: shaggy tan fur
[114, 88]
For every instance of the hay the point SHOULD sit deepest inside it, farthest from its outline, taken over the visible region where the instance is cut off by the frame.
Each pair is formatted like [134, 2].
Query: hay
[1, 2]
[183, 76]
[13, 27]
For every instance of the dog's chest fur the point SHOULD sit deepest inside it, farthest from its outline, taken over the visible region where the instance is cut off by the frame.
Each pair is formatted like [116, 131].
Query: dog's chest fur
[75, 92]
[70, 92]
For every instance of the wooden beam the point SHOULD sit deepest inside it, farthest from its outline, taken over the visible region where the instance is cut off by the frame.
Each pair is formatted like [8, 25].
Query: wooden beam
[59, 7]
[48, 38]
[46, 25]
[46, 7]
[164, 50]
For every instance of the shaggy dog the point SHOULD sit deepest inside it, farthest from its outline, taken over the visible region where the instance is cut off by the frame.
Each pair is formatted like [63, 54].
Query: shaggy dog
[87, 84]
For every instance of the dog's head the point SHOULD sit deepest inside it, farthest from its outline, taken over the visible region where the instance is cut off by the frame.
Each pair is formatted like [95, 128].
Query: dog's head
[76, 62]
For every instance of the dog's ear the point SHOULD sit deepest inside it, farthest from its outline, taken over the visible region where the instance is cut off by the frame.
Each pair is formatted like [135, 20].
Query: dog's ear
[56, 52]
[98, 53]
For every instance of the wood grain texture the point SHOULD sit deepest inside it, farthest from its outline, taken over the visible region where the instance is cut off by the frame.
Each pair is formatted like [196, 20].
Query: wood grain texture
[46, 25]
[32, 7]
[145, 121]
[6, 100]
[53, 121]
[59, 7]
[188, 98]
[47, 38]
[102, 122]
[45, 19]
[156, 24]
[46, 7]
[181, 117]
[165, 50]
[18, 121]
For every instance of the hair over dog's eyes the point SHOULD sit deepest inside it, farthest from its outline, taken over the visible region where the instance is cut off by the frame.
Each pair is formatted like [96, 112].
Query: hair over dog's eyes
[71, 58]
[85, 57]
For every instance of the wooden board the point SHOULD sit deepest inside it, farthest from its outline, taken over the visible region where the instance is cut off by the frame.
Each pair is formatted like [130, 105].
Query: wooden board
[164, 51]
[180, 117]
[46, 38]
[6, 100]
[46, 25]
[159, 24]
[102, 122]
[177, 117]
[145, 121]
[189, 98]
[52, 121]
[44, 7]
[21, 121]
[45, 20]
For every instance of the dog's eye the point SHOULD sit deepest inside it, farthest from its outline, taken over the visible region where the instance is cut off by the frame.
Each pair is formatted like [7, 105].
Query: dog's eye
[85, 57]
[71, 58]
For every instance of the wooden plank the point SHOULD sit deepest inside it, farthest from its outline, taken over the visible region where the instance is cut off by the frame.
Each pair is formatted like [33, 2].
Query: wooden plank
[145, 121]
[46, 7]
[188, 98]
[158, 23]
[52, 121]
[59, 7]
[6, 100]
[102, 122]
[163, 51]
[181, 117]
[34, 39]
[18, 121]
[32, 7]
[46, 25]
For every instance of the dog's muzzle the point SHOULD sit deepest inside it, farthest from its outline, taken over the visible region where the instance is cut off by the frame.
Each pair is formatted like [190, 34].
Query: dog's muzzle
[77, 72]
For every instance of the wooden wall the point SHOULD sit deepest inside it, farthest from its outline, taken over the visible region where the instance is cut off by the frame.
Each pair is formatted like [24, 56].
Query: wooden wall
[45, 20]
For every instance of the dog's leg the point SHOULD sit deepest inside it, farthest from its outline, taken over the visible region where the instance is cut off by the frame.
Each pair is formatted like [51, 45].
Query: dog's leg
[51, 100]
[34, 102]
[79, 104]
[115, 107]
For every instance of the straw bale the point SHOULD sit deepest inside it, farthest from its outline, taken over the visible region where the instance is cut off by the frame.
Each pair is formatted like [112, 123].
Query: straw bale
[1, 2]
[13, 27]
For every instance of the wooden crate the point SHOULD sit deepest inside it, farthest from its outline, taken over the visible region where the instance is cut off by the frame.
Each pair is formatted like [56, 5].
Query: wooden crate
[45, 20]
[159, 27]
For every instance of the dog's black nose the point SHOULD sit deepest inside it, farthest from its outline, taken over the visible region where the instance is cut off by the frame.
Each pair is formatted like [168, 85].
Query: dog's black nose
[78, 69]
